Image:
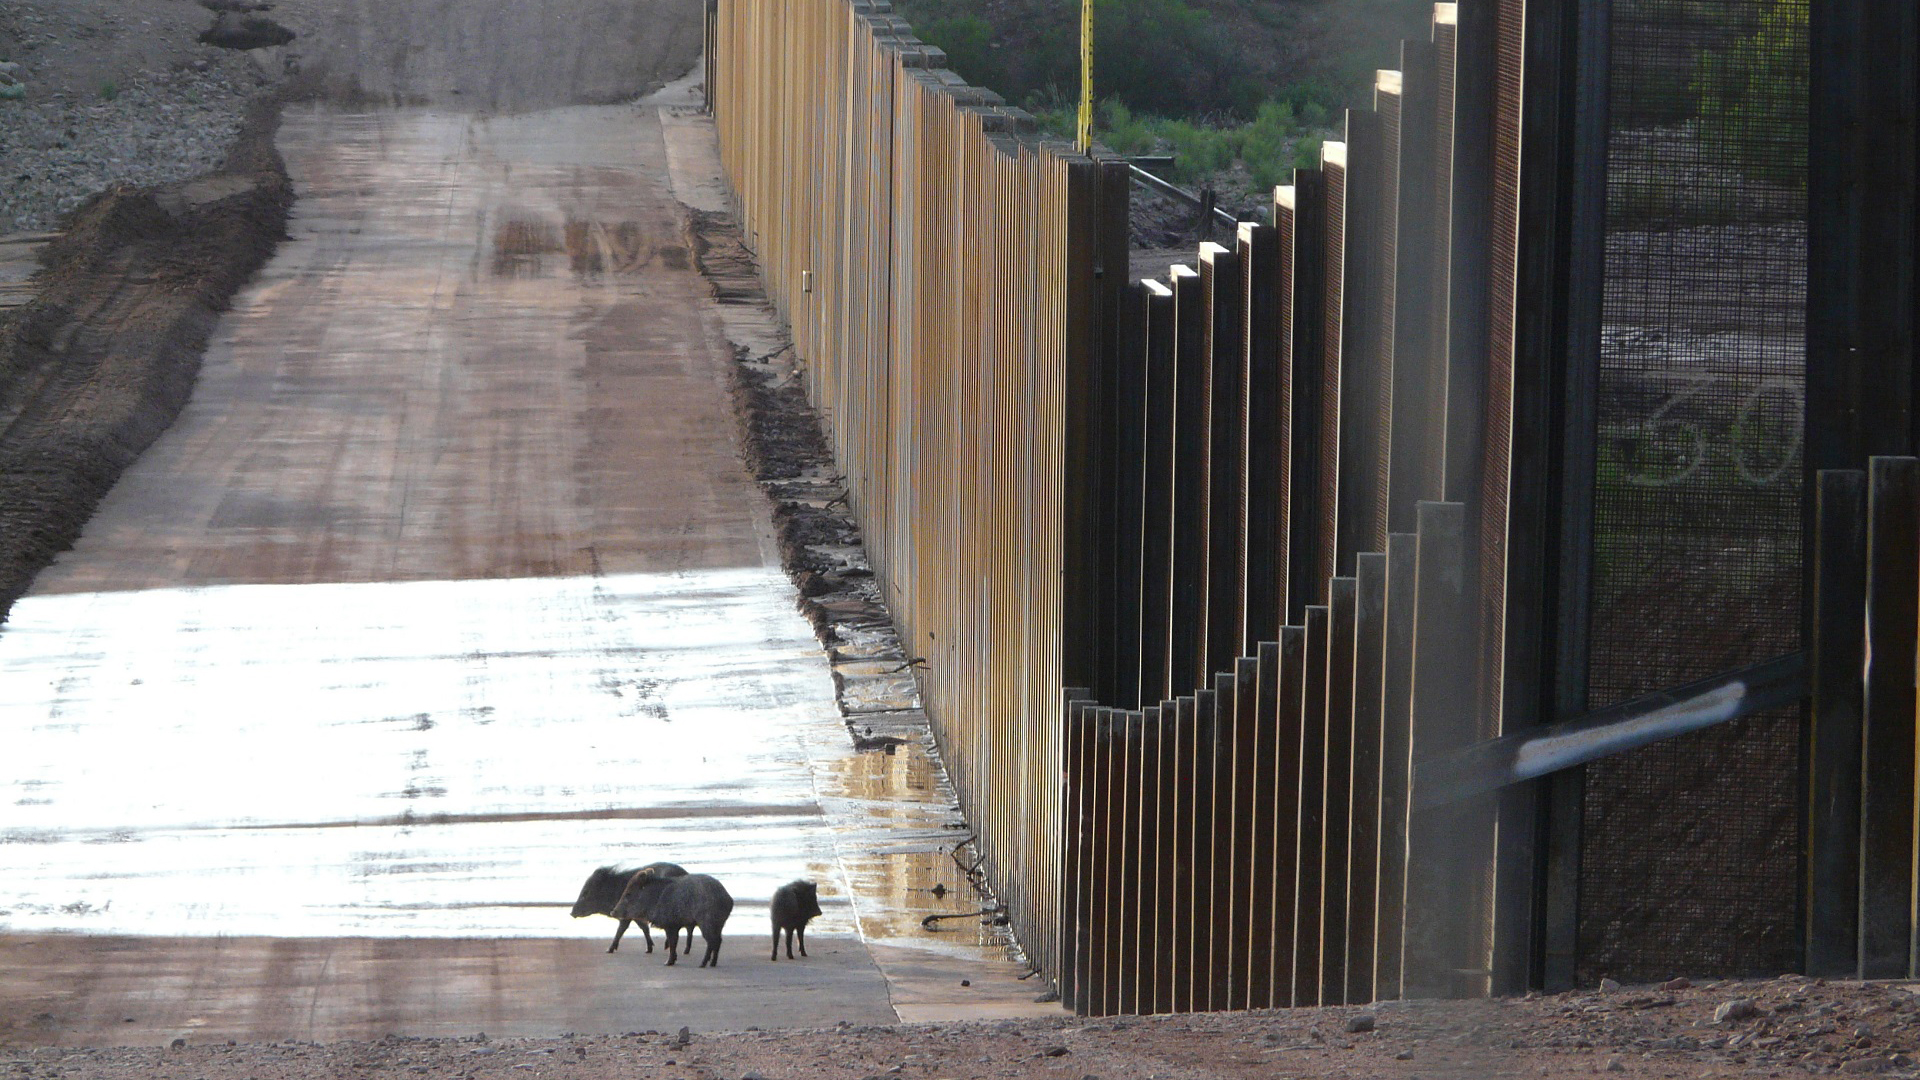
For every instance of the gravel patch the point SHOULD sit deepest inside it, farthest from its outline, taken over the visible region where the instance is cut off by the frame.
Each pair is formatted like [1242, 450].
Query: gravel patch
[66, 140]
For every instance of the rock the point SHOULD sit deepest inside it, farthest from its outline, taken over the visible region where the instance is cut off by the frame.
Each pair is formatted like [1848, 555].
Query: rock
[1867, 1065]
[13, 91]
[1049, 996]
[1608, 986]
[966, 982]
[1360, 1022]
[684, 1037]
[1678, 982]
[1056, 1051]
[1737, 1009]
[1404, 1055]
[242, 32]
[751, 1075]
[177, 1044]
[1614, 1064]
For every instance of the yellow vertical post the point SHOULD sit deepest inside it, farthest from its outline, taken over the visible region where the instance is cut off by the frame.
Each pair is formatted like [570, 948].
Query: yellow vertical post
[1086, 75]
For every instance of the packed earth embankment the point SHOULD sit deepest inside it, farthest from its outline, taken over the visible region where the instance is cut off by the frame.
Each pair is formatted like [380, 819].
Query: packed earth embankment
[102, 360]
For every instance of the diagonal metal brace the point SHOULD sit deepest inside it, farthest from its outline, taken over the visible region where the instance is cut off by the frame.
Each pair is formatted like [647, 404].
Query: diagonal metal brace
[1630, 725]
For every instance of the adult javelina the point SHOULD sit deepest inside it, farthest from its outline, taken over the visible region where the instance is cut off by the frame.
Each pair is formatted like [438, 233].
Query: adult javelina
[674, 903]
[603, 889]
[793, 904]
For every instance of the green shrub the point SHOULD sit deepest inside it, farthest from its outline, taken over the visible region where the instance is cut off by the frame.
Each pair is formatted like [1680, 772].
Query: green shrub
[968, 42]
[1268, 149]
[1752, 96]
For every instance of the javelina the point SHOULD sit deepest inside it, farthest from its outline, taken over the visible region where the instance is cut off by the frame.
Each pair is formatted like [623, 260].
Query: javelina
[793, 904]
[676, 903]
[603, 889]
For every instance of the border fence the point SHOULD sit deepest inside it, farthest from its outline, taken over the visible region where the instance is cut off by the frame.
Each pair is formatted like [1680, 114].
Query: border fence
[943, 271]
[1276, 611]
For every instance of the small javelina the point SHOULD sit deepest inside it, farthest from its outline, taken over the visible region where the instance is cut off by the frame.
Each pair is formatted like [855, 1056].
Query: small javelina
[676, 903]
[793, 904]
[603, 889]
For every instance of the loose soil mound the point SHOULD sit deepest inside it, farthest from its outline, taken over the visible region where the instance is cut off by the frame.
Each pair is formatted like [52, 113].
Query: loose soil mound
[103, 360]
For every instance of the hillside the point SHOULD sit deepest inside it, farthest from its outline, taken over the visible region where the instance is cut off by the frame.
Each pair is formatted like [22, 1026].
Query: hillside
[1175, 58]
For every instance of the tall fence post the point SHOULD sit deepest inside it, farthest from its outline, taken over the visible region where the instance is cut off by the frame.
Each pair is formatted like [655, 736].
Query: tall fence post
[1366, 336]
[1206, 846]
[1220, 283]
[1550, 476]
[1369, 677]
[1449, 850]
[1244, 937]
[1267, 423]
[1336, 791]
[1838, 600]
[1262, 824]
[1887, 793]
[1132, 896]
[1300, 215]
[1187, 648]
[1157, 514]
[1396, 761]
[1075, 896]
[1289, 708]
[1311, 822]
[1420, 286]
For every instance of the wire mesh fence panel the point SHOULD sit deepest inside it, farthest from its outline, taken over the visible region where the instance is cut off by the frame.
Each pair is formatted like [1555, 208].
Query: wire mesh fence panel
[1691, 846]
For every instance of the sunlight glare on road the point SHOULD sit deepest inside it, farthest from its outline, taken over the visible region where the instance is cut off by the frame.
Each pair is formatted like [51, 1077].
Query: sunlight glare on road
[418, 758]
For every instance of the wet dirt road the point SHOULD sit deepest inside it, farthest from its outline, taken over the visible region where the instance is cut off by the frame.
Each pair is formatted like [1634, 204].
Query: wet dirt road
[447, 587]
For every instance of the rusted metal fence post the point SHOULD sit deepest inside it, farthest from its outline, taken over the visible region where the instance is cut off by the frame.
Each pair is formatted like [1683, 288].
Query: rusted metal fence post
[1075, 897]
[1299, 215]
[1336, 792]
[1396, 761]
[1420, 286]
[1127, 428]
[1132, 869]
[1157, 515]
[1150, 945]
[1097, 991]
[1332, 487]
[1288, 706]
[1366, 340]
[1206, 845]
[1188, 898]
[1220, 283]
[1309, 862]
[1887, 793]
[1369, 675]
[1267, 423]
[1248, 780]
[1193, 368]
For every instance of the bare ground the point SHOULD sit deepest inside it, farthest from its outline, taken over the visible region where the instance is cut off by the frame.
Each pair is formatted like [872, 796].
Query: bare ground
[1789, 1027]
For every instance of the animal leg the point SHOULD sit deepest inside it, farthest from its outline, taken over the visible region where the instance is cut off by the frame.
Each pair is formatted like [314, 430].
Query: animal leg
[648, 931]
[673, 952]
[803, 940]
[776, 944]
[621, 932]
[712, 958]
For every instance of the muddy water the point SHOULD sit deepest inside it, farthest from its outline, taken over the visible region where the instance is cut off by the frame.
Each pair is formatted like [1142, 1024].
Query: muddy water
[446, 588]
